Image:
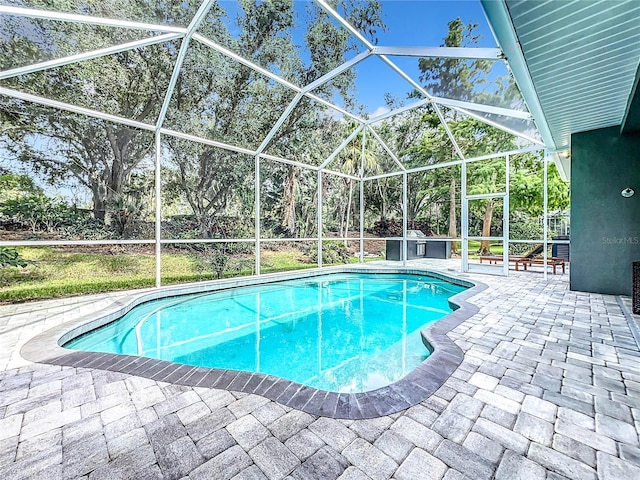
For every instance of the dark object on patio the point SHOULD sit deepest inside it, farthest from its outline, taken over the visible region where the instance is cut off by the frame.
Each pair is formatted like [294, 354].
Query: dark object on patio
[561, 250]
[635, 302]
[418, 247]
[439, 249]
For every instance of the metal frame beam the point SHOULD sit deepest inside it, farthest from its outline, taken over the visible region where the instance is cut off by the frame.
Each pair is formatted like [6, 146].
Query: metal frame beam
[337, 71]
[191, 30]
[279, 122]
[36, 67]
[441, 52]
[329, 9]
[399, 111]
[341, 110]
[499, 126]
[206, 141]
[507, 112]
[158, 209]
[340, 174]
[225, 51]
[341, 147]
[257, 213]
[386, 148]
[319, 217]
[74, 109]
[88, 19]
[288, 162]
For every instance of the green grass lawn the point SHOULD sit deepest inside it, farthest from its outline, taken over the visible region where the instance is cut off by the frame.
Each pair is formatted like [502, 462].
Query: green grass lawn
[59, 273]
[474, 246]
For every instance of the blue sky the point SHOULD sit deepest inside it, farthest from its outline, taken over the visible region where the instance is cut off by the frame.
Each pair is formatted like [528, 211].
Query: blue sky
[415, 23]
[424, 22]
[409, 23]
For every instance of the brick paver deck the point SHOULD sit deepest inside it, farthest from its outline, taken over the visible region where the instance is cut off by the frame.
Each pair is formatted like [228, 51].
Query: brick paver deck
[549, 388]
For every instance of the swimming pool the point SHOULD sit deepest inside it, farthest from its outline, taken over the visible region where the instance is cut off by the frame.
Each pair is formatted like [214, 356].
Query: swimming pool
[341, 332]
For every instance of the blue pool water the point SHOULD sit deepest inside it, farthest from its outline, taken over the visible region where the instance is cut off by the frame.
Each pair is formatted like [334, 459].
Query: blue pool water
[337, 332]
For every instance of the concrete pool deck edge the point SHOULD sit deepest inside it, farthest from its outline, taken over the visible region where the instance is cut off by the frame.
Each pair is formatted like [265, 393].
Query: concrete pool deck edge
[412, 389]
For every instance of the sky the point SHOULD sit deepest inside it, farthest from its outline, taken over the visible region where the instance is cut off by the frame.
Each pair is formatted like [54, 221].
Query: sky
[409, 23]
[413, 23]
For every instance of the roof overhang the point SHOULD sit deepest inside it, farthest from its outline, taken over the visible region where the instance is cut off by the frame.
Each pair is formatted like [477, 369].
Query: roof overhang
[575, 63]
[631, 122]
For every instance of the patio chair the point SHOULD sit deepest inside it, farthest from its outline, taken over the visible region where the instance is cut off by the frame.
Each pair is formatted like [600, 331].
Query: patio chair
[537, 250]
[528, 259]
[553, 262]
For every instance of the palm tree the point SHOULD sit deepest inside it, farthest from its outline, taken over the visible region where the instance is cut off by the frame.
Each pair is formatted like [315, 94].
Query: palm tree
[357, 157]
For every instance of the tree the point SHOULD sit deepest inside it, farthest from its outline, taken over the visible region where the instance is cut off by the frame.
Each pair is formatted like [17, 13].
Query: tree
[99, 155]
[383, 199]
[454, 78]
[224, 100]
[329, 46]
[13, 185]
[214, 182]
[356, 158]
[527, 186]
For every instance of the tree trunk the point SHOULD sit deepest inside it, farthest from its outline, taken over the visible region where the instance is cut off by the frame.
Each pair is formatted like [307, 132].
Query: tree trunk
[289, 201]
[383, 202]
[309, 220]
[99, 193]
[111, 181]
[346, 223]
[485, 245]
[453, 220]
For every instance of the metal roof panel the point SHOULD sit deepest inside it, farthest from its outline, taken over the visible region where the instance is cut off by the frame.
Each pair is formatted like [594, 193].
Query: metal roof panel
[582, 57]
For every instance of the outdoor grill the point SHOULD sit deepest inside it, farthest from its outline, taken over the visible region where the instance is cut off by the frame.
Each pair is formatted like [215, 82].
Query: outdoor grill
[420, 243]
[418, 247]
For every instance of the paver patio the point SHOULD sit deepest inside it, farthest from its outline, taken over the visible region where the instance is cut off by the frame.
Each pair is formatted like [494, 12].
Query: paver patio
[549, 389]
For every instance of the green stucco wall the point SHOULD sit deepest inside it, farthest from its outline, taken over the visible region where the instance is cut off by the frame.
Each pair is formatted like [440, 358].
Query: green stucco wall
[605, 227]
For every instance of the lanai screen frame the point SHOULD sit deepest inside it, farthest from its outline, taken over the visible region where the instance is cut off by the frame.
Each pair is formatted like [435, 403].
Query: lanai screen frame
[188, 34]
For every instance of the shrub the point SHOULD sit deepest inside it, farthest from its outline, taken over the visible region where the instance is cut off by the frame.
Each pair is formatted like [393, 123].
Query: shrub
[38, 211]
[187, 227]
[9, 257]
[213, 257]
[217, 260]
[126, 211]
[85, 227]
[333, 252]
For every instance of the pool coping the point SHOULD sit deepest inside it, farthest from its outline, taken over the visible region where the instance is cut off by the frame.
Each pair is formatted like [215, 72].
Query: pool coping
[410, 390]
